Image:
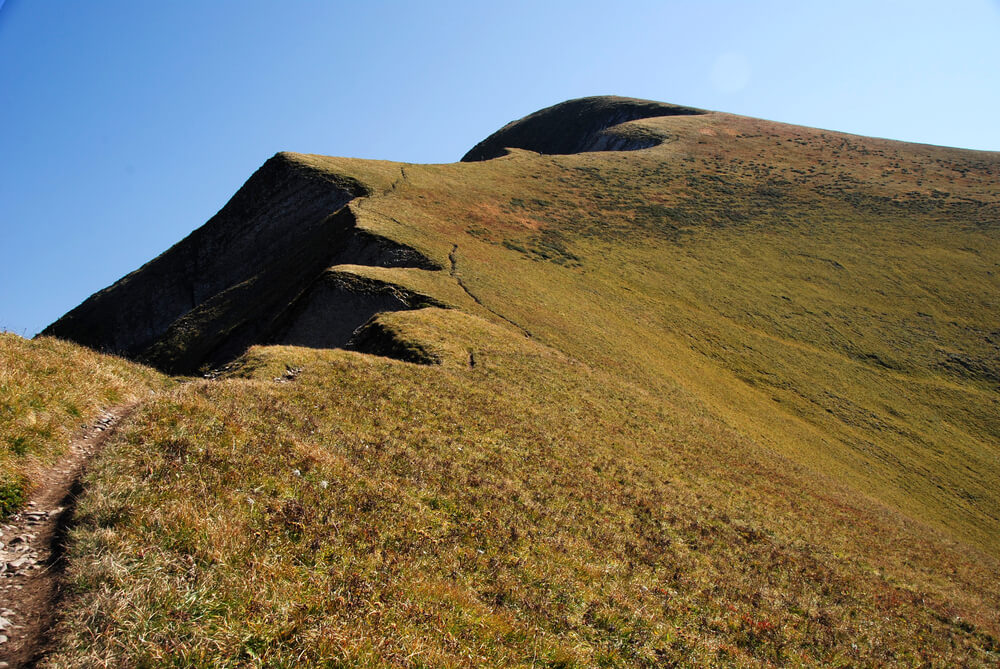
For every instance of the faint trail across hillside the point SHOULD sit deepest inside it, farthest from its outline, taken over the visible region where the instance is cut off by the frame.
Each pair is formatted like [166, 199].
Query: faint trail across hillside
[395, 184]
[452, 257]
[32, 544]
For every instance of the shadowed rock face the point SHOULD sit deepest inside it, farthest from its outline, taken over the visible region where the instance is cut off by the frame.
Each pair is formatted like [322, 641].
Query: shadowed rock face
[229, 284]
[337, 304]
[278, 207]
[577, 126]
[375, 338]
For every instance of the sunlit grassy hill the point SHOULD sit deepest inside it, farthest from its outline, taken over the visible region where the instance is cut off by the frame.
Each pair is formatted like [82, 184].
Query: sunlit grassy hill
[49, 389]
[731, 399]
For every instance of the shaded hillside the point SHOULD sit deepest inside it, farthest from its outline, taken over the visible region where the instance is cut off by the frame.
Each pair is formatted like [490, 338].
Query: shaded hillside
[576, 126]
[728, 399]
[235, 281]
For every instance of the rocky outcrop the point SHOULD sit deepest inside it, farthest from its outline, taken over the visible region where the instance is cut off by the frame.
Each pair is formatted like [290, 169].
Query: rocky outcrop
[236, 280]
[377, 338]
[577, 126]
[264, 270]
[337, 304]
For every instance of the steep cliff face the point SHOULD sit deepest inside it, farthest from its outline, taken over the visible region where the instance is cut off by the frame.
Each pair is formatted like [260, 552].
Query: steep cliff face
[578, 126]
[229, 284]
[281, 205]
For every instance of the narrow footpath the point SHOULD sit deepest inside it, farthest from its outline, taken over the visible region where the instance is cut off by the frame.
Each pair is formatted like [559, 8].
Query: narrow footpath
[32, 546]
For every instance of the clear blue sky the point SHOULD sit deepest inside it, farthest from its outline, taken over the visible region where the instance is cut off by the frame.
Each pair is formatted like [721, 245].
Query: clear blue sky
[125, 124]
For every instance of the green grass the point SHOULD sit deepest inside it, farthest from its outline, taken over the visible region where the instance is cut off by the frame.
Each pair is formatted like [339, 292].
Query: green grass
[728, 401]
[48, 390]
[530, 508]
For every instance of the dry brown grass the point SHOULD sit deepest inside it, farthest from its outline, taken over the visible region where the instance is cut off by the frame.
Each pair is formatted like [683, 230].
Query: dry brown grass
[723, 402]
[48, 390]
[526, 510]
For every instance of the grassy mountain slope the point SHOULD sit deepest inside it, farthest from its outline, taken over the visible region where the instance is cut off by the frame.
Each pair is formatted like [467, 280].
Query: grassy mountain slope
[48, 389]
[731, 399]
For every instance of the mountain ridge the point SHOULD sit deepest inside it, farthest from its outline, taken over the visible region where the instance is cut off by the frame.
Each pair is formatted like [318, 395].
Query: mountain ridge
[729, 399]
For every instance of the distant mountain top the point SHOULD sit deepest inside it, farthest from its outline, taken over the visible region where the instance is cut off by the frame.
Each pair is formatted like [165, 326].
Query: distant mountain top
[297, 255]
[579, 126]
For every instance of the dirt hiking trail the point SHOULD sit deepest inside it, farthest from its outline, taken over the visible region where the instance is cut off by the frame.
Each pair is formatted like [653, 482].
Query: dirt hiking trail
[32, 546]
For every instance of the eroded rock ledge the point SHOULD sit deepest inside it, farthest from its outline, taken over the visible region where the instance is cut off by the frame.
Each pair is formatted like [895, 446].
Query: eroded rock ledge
[244, 277]
[578, 126]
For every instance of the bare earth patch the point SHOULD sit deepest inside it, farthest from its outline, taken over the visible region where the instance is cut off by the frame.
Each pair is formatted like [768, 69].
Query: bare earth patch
[31, 548]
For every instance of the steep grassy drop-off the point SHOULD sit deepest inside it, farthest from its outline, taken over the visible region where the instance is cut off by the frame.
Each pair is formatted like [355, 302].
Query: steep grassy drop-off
[730, 399]
[48, 390]
[369, 511]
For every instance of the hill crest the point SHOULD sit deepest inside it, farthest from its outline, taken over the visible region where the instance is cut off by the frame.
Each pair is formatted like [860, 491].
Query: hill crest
[577, 126]
[729, 399]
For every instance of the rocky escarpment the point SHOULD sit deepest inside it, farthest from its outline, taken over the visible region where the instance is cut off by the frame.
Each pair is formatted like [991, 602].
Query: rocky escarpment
[282, 205]
[242, 277]
[338, 303]
[577, 126]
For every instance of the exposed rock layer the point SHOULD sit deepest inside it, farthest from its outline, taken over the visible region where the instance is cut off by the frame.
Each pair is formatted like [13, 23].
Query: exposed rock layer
[578, 126]
[230, 283]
